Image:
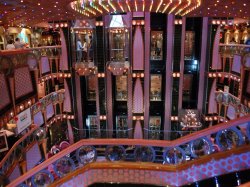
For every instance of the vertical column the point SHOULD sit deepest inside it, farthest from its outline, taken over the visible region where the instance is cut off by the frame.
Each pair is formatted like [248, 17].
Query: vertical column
[202, 63]
[146, 72]
[79, 106]
[182, 62]
[169, 72]
[109, 103]
[97, 103]
[130, 103]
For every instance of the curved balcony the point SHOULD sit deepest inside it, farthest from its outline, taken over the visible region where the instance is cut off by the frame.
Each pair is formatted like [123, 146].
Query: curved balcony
[118, 68]
[223, 148]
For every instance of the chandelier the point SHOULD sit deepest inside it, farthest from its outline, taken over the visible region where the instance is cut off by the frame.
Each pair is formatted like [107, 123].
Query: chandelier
[91, 8]
[189, 119]
[85, 68]
[118, 68]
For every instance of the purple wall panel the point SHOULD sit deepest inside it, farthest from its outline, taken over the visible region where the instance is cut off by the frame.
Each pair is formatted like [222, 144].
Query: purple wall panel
[33, 155]
[45, 67]
[38, 118]
[216, 60]
[138, 106]
[67, 100]
[183, 33]
[64, 54]
[147, 72]
[138, 50]
[169, 78]
[212, 105]
[247, 64]
[236, 63]
[70, 132]
[130, 102]
[50, 111]
[4, 94]
[23, 83]
[202, 63]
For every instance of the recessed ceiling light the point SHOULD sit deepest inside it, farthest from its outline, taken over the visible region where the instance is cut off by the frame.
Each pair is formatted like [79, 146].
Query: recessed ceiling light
[244, 4]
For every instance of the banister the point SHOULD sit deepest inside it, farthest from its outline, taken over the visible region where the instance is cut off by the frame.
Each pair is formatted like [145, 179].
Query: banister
[156, 143]
[33, 128]
[25, 50]
[149, 166]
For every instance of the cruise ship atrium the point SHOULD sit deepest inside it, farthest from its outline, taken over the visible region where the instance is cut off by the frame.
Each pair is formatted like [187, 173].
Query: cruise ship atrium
[114, 93]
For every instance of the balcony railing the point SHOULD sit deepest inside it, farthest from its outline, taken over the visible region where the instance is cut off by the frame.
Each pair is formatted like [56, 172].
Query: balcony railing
[231, 49]
[208, 145]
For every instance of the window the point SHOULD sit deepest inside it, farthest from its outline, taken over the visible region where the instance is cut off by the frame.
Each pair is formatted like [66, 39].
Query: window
[155, 87]
[92, 123]
[121, 127]
[154, 127]
[156, 45]
[91, 86]
[121, 88]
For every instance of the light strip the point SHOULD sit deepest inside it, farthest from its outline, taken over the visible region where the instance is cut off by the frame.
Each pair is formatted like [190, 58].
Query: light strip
[191, 9]
[111, 4]
[181, 9]
[143, 6]
[175, 7]
[90, 11]
[103, 6]
[135, 6]
[128, 6]
[159, 6]
[120, 6]
[95, 7]
[166, 7]
[151, 5]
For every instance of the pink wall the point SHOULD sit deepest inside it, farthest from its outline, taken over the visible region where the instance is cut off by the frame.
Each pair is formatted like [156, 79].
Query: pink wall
[67, 100]
[64, 55]
[109, 101]
[212, 105]
[216, 60]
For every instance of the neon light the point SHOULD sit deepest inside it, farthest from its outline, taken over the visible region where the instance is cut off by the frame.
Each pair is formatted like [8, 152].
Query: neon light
[113, 7]
[175, 7]
[159, 6]
[104, 7]
[181, 9]
[166, 7]
[151, 5]
[143, 6]
[135, 6]
[120, 6]
[128, 6]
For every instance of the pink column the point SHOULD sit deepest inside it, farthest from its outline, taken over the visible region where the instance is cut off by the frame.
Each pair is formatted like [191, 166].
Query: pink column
[146, 72]
[79, 106]
[130, 102]
[97, 101]
[183, 33]
[109, 103]
[169, 78]
[202, 63]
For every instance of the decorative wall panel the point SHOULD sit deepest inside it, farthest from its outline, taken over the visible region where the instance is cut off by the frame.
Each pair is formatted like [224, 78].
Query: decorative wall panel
[4, 94]
[23, 83]
[138, 50]
[50, 111]
[33, 155]
[216, 60]
[138, 97]
[212, 106]
[67, 100]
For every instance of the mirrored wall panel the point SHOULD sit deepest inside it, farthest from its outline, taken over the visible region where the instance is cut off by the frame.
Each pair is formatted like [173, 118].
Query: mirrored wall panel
[121, 88]
[155, 87]
[156, 45]
[189, 45]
